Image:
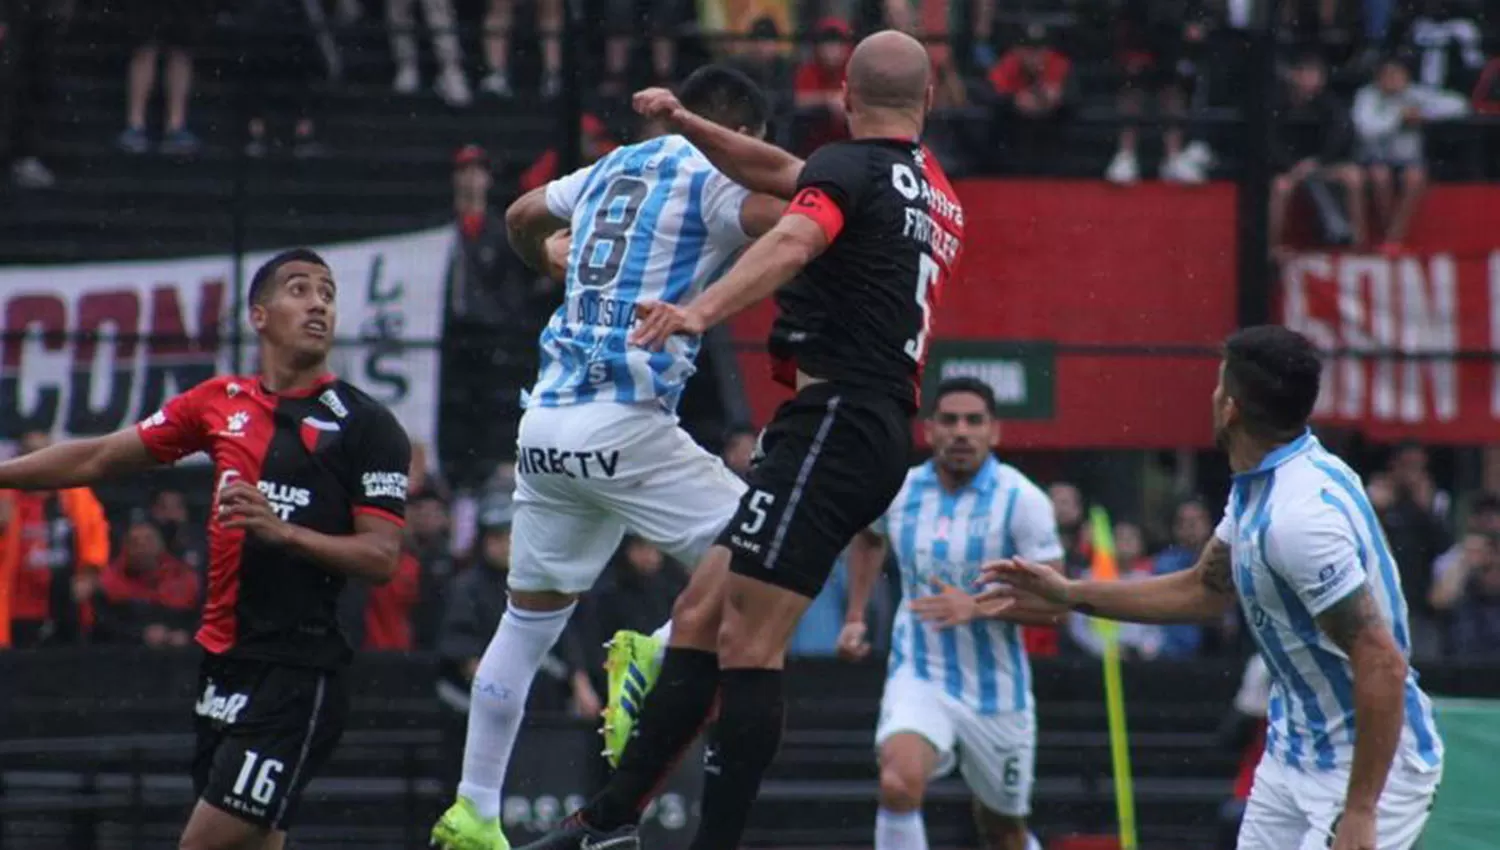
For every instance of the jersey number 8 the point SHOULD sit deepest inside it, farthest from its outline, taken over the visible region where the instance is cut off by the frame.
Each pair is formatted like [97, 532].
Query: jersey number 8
[609, 232]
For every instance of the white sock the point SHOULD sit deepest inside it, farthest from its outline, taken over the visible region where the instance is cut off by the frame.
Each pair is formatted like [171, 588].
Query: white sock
[498, 700]
[663, 634]
[900, 830]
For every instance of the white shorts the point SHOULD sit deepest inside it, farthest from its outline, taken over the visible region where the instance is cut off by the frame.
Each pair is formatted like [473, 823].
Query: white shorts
[587, 473]
[995, 753]
[1293, 810]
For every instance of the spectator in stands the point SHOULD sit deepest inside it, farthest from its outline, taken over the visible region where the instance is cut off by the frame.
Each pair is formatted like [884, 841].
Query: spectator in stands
[818, 87]
[52, 548]
[1470, 594]
[146, 595]
[429, 540]
[1067, 505]
[29, 33]
[487, 285]
[1031, 82]
[1448, 46]
[390, 609]
[1310, 148]
[760, 55]
[1192, 525]
[636, 594]
[183, 538]
[1484, 518]
[476, 600]
[1388, 118]
[452, 86]
[181, 27]
[498, 23]
[1130, 549]
[1417, 537]
[1158, 50]
[280, 45]
[739, 449]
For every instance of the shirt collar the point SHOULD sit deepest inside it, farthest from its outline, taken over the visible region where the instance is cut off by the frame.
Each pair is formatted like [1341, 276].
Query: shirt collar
[1280, 455]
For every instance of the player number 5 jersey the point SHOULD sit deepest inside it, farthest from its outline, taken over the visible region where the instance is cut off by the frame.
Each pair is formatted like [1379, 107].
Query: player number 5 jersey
[650, 222]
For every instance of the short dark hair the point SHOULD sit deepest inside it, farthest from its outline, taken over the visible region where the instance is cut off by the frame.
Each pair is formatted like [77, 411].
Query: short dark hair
[1273, 373]
[965, 384]
[260, 282]
[726, 97]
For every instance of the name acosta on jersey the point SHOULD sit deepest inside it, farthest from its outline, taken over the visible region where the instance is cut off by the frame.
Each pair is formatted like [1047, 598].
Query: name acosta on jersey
[284, 498]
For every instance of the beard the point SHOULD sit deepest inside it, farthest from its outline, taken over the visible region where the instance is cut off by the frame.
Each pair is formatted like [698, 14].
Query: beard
[1221, 437]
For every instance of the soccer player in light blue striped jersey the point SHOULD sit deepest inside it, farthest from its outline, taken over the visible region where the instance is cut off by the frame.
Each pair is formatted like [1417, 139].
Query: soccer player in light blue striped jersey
[1353, 758]
[958, 685]
[599, 449]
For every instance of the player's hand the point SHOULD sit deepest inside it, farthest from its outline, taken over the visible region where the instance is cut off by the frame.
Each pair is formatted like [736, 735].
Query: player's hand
[947, 607]
[658, 104]
[656, 321]
[241, 505]
[1355, 830]
[558, 245]
[852, 643]
[1019, 576]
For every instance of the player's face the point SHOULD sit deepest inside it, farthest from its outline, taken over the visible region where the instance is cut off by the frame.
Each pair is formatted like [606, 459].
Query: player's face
[961, 432]
[300, 313]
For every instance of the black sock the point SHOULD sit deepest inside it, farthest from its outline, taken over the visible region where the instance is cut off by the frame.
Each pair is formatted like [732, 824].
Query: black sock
[747, 737]
[671, 718]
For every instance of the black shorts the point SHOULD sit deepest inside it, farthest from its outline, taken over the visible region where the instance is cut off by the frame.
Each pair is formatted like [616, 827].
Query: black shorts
[829, 464]
[264, 730]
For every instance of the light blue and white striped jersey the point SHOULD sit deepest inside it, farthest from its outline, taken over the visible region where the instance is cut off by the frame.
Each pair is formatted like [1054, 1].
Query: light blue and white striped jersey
[946, 537]
[1303, 536]
[651, 222]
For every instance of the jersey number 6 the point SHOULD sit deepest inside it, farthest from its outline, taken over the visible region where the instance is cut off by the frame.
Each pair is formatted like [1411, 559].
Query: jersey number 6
[927, 275]
[609, 232]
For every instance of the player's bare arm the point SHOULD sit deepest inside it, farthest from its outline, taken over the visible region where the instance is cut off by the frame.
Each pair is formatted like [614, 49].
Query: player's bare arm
[371, 553]
[1204, 592]
[76, 463]
[528, 224]
[1355, 625]
[766, 266]
[866, 557]
[748, 161]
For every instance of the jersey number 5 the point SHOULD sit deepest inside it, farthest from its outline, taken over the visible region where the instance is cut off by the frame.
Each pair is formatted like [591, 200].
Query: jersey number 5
[927, 275]
[609, 233]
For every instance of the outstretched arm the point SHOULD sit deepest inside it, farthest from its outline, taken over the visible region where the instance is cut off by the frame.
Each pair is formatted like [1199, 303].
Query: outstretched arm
[750, 162]
[76, 463]
[1205, 592]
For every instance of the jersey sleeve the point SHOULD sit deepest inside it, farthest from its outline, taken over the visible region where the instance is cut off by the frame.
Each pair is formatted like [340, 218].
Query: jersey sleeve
[380, 469]
[1033, 526]
[564, 193]
[722, 201]
[830, 186]
[178, 429]
[1314, 551]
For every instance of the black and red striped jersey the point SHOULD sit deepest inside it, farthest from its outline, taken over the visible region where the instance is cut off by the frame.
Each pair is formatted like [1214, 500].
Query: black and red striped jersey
[320, 456]
[861, 312]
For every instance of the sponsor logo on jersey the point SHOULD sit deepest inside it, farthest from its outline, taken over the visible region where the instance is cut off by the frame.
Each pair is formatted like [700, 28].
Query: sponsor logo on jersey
[155, 420]
[584, 464]
[235, 425]
[225, 708]
[284, 498]
[384, 485]
[331, 400]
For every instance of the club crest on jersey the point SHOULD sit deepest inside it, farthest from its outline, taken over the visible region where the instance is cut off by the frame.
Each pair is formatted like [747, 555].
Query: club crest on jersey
[317, 434]
[234, 426]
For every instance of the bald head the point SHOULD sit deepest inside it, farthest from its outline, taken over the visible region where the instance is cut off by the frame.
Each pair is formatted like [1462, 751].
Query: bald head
[889, 70]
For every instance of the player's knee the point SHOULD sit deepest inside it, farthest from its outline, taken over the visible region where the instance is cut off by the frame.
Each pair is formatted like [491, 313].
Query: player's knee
[901, 788]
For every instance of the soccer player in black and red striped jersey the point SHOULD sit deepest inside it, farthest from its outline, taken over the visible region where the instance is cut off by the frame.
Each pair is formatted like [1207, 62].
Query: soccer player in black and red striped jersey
[311, 491]
[855, 265]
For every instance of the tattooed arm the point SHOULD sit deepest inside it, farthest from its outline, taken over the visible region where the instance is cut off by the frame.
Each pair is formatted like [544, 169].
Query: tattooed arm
[1354, 624]
[1204, 592]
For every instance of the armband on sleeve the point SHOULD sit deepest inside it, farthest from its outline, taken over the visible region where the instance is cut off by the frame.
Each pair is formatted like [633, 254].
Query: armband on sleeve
[815, 204]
